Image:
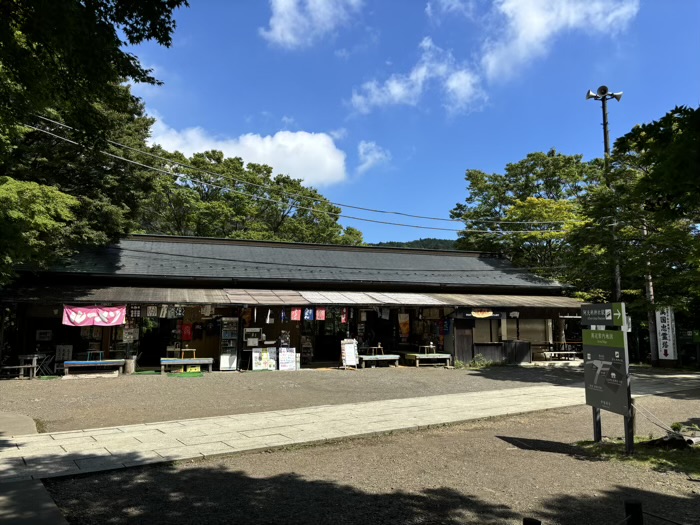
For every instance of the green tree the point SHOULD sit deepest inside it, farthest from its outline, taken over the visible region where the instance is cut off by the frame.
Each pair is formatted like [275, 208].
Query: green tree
[526, 212]
[223, 197]
[68, 54]
[33, 219]
[64, 59]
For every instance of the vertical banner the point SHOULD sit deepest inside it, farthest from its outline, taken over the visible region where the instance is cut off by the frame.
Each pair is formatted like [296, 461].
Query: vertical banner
[404, 325]
[296, 314]
[320, 314]
[666, 333]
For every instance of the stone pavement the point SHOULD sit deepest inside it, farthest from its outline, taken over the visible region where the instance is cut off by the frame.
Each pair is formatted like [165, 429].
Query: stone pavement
[65, 453]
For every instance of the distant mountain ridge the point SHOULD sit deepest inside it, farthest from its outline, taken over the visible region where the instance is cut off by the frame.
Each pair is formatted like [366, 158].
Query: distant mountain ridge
[425, 244]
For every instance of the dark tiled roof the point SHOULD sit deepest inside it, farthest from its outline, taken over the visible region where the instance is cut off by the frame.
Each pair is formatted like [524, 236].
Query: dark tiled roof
[159, 257]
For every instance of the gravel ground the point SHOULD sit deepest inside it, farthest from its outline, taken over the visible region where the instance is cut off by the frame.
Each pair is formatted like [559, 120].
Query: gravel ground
[74, 404]
[491, 471]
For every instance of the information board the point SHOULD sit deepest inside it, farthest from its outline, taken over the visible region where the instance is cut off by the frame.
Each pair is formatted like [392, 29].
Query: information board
[606, 370]
[287, 358]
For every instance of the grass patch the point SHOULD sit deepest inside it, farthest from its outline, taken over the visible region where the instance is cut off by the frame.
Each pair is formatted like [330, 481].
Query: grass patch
[146, 373]
[186, 374]
[686, 461]
[477, 363]
[48, 378]
[40, 426]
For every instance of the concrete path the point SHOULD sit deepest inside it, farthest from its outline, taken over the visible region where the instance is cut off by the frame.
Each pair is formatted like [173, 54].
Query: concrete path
[65, 453]
[16, 424]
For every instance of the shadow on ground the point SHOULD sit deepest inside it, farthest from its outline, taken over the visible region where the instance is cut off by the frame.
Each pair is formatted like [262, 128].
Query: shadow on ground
[203, 494]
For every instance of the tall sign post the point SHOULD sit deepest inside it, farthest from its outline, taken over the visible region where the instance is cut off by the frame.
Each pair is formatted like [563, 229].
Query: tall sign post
[606, 366]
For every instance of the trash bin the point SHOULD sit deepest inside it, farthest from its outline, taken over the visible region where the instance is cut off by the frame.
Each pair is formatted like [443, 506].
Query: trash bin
[130, 365]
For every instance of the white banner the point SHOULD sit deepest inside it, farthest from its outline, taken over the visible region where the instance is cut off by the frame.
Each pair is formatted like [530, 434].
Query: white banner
[666, 333]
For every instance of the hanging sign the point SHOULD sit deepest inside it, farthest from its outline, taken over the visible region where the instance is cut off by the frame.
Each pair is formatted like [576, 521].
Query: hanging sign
[482, 313]
[94, 315]
[666, 333]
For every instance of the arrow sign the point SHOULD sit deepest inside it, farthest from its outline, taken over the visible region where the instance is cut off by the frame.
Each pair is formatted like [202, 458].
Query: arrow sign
[608, 314]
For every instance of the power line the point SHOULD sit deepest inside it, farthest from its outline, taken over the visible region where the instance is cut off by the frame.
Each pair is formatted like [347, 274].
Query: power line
[219, 176]
[258, 197]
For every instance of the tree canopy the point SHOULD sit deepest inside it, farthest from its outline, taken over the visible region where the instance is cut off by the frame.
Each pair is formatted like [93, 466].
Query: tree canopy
[69, 54]
[223, 197]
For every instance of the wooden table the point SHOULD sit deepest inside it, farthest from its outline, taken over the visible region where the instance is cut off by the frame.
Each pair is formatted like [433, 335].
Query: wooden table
[372, 350]
[427, 349]
[30, 362]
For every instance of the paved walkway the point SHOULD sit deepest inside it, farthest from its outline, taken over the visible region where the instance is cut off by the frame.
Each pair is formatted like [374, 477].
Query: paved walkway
[64, 453]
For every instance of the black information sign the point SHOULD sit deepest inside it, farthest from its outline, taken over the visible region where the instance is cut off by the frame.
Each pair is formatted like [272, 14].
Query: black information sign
[606, 371]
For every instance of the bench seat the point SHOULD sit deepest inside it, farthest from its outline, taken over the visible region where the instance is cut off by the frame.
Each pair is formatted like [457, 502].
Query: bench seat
[174, 361]
[20, 370]
[106, 363]
[374, 358]
[417, 358]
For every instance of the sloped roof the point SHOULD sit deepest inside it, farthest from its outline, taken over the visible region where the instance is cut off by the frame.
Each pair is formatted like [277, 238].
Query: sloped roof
[241, 262]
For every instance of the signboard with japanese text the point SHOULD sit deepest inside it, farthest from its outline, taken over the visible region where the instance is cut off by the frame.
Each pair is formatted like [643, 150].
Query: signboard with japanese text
[287, 358]
[666, 333]
[606, 371]
[609, 314]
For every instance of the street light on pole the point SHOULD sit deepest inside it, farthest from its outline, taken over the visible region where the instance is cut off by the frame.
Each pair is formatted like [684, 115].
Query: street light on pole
[603, 94]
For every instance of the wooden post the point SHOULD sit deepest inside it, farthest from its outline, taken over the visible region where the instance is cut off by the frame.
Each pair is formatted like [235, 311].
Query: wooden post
[633, 510]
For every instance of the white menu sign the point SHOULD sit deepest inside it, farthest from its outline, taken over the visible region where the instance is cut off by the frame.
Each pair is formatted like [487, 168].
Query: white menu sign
[287, 358]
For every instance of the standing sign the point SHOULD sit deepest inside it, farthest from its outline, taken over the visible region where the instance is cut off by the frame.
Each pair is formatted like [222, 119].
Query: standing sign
[666, 333]
[610, 314]
[606, 371]
[348, 352]
[287, 358]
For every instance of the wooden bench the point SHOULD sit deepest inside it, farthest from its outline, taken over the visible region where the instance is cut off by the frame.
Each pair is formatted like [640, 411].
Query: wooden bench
[175, 361]
[107, 363]
[373, 359]
[21, 369]
[440, 358]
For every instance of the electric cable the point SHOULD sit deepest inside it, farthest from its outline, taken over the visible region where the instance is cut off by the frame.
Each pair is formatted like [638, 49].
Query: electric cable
[258, 197]
[219, 176]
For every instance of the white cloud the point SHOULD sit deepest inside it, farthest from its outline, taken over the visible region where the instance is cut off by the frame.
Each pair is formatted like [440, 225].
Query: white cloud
[299, 23]
[338, 134]
[435, 65]
[437, 9]
[531, 25]
[371, 155]
[312, 157]
[524, 30]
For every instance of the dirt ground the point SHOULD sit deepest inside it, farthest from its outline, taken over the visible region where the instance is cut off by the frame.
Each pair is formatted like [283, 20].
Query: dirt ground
[492, 471]
[75, 404]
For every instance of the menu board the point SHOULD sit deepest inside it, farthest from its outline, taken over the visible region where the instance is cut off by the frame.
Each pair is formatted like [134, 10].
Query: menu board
[264, 358]
[287, 358]
[348, 352]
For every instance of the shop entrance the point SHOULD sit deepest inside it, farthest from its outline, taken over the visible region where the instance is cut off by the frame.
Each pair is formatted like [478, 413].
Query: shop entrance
[464, 339]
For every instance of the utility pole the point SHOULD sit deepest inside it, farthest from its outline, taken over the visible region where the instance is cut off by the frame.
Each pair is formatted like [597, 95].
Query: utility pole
[603, 94]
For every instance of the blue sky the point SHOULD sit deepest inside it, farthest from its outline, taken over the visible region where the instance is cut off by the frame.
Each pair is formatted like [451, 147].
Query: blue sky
[385, 104]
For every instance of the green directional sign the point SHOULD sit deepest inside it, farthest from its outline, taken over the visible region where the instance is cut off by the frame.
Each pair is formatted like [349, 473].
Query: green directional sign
[604, 338]
[608, 314]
